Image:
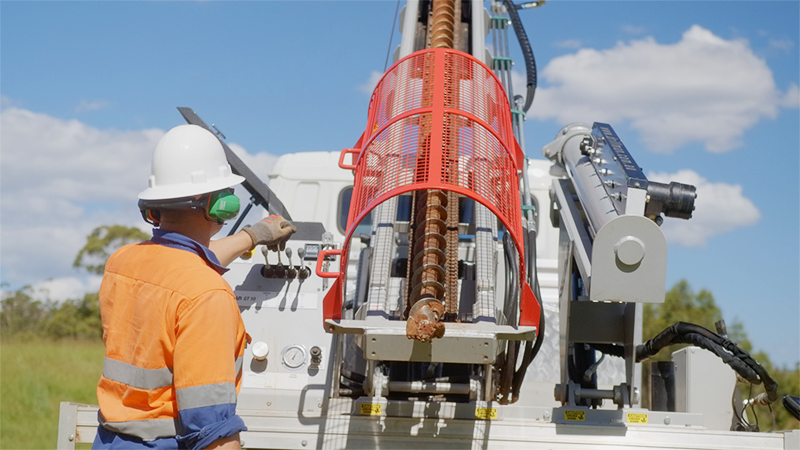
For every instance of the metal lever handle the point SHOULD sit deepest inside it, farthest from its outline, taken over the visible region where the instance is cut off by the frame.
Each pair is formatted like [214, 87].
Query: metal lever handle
[321, 258]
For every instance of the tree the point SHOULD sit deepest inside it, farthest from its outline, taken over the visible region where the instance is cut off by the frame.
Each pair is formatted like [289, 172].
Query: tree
[681, 304]
[21, 314]
[102, 242]
[76, 319]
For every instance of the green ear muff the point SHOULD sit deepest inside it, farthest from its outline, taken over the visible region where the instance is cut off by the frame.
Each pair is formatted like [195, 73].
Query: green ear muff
[222, 206]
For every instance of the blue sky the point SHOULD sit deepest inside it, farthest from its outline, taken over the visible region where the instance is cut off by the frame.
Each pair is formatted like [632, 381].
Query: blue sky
[702, 91]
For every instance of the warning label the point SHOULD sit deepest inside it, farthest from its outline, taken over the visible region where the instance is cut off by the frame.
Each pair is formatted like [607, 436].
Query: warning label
[486, 413]
[637, 418]
[370, 409]
[575, 416]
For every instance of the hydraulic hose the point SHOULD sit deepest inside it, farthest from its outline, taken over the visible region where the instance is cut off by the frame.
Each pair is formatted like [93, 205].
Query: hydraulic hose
[732, 354]
[531, 349]
[527, 53]
[512, 287]
[512, 347]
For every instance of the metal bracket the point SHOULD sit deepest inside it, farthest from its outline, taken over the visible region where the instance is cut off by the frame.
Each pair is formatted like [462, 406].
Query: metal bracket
[257, 188]
[475, 343]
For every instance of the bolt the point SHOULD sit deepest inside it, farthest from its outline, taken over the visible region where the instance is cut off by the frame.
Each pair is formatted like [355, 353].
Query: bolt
[71, 437]
[667, 420]
[269, 403]
[546, 415]
[304, 443]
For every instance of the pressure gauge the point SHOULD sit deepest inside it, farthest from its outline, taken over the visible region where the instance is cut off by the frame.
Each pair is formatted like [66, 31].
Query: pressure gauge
[294, 356]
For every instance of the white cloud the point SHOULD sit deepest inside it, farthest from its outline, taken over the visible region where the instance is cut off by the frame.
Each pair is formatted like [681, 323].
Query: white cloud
[792, 97]
[65, 288]
[369, 86]
[633, 29]
[93, 105]
[781, 44]
[60, 179]
[719, 208]
[569, 43]
[702, 89]
[261, 163]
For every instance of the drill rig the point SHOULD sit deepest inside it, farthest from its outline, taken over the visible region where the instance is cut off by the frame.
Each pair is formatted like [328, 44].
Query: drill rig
[426, 300]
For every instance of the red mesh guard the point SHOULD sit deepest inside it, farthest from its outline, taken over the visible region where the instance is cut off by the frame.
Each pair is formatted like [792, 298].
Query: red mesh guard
[439, 119]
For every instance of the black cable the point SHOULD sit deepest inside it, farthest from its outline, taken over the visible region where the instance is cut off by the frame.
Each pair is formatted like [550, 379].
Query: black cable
[771, 413]
[357, 377]
[531, 350]
[513, 290]
[350, 384]
[752, 406]
[527, 52]
[512, 347]
[738, 359]
[389, 48]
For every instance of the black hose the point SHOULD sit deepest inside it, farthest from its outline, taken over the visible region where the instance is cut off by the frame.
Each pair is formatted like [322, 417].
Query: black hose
[738, 359]
[357, 377]
[527, 52]
[531, 350]
[348, 383]
[506, 381]
[512, 347]
[512, 287]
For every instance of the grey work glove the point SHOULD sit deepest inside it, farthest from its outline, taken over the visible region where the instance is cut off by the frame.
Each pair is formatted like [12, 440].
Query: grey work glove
[273, 232]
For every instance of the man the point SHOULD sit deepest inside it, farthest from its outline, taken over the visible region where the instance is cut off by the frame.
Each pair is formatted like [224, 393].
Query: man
[173, 332]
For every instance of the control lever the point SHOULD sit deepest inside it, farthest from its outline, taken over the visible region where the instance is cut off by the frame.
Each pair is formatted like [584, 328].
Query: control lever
[267, 271]
[304, 271]
[280, 269]
[291, 272]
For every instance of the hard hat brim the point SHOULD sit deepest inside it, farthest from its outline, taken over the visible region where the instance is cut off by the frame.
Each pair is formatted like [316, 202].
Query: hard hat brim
[189, 189]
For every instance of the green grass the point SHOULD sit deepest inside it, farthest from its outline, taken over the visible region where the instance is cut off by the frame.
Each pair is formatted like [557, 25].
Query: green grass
[35, 376]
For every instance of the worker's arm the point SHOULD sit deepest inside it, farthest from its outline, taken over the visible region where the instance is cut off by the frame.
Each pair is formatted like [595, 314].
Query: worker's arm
[209, 346]
[231, 247]
[273, 232]
[228, 443]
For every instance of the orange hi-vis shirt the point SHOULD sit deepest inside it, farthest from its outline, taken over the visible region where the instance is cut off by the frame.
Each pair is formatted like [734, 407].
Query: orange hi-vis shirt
[174, 345]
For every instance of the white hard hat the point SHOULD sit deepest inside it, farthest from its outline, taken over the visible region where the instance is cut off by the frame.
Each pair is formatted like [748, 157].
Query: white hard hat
[187, 161]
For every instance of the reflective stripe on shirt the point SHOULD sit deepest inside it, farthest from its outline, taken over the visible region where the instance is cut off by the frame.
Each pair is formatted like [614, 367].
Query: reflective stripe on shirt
[136, 376]
[206, 395]
[147, 430]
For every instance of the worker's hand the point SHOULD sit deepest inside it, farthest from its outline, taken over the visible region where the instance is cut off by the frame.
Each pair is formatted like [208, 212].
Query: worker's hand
[273, 232]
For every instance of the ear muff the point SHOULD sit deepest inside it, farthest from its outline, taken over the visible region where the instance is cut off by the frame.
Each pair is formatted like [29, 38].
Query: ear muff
[151, 216]
[222, 206]
[217, 207]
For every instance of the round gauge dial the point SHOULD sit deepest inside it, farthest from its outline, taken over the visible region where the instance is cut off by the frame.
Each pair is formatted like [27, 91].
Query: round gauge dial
[294, 356]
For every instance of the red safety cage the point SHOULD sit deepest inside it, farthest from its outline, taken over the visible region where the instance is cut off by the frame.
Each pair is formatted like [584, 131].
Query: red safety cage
[438, 119]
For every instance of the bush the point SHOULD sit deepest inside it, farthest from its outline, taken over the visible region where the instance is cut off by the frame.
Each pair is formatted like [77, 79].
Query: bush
[22, 316]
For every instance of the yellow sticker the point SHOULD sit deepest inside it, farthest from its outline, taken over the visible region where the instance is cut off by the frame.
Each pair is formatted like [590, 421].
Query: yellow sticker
[486, 413]
[576, 416]
[370, 409]
[637, 418]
